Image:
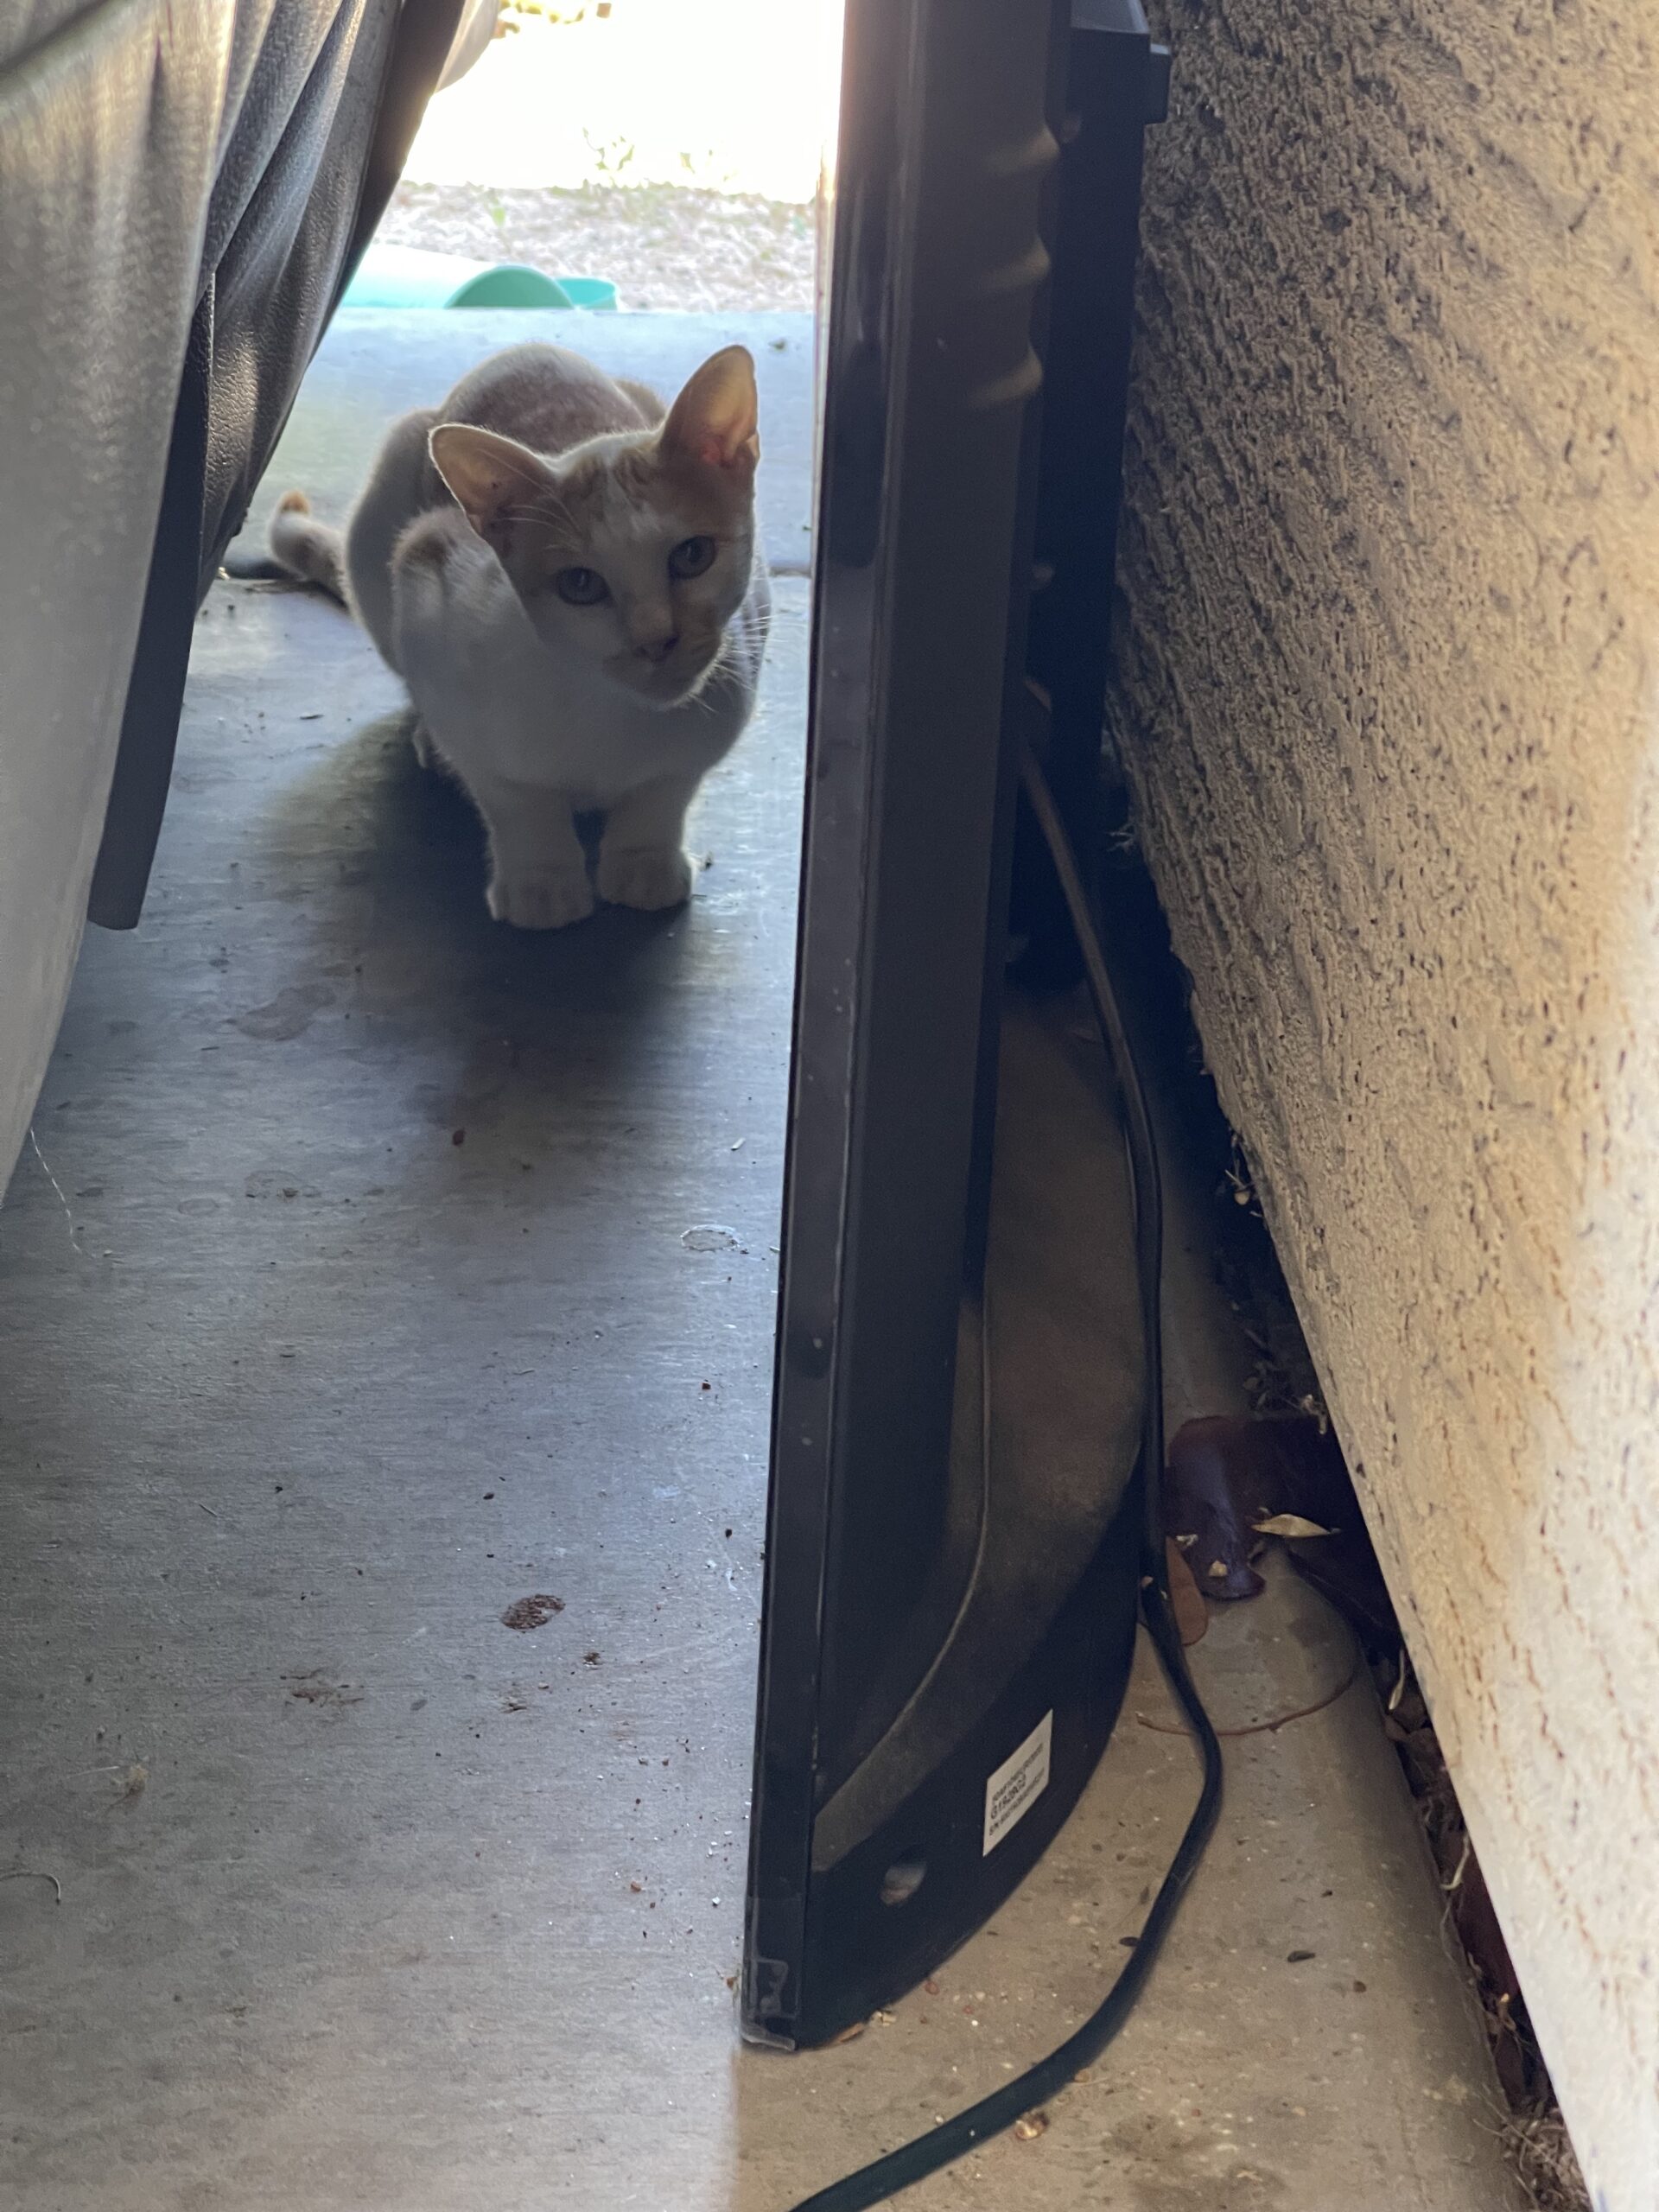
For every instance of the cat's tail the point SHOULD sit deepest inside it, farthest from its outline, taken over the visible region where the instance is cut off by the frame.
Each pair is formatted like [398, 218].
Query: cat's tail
[302, 546]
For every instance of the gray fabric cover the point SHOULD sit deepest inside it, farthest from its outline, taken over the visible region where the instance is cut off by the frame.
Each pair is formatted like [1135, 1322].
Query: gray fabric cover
[182, 184]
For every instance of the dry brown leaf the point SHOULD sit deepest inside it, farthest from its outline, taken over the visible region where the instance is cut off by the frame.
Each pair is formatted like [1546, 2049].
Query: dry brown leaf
[1289, 1524]
[1185, 1599]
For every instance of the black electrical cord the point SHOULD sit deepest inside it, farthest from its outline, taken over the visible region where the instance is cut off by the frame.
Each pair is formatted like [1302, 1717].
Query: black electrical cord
[884, 2177]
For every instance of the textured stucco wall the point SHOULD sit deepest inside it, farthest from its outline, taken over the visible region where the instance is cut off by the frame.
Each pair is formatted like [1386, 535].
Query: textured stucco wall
[1391, 558]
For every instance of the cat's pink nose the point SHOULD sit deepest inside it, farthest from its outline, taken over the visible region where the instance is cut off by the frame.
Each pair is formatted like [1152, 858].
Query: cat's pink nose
[656, 650]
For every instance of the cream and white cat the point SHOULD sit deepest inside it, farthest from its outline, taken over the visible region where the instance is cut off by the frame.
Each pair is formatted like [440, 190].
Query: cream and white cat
[566, 578]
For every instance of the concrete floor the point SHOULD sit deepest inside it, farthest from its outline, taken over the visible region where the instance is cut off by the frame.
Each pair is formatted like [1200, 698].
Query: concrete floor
[380, 1266]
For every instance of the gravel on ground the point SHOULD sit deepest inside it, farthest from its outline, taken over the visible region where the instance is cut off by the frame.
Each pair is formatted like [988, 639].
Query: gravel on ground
[661, 246]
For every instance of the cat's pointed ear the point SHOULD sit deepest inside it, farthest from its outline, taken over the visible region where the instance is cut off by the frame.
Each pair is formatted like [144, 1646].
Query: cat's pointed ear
[495, 479]
[715, 418]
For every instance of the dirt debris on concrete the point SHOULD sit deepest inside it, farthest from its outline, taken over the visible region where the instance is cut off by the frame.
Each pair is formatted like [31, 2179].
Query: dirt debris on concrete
[524, 1613]
[315, 1688]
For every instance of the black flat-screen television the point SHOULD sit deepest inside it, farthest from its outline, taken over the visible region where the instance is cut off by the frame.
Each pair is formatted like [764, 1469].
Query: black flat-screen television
[953, 1541]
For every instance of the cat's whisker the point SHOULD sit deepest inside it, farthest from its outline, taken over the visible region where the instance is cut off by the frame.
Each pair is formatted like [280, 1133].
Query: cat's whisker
[542, 512]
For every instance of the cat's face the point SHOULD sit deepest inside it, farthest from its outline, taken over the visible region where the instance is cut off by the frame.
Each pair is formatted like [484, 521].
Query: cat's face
[640, 564]
[632, 549]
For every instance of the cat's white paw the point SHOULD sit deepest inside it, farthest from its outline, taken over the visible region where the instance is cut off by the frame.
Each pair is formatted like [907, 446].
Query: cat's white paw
[550, 899]
[650, 878]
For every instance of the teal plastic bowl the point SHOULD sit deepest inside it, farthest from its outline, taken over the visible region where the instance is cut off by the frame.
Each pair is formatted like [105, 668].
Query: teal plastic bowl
[410, 277]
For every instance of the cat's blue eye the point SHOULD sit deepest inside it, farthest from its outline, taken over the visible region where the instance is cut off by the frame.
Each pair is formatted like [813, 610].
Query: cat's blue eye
[691, 557]
[581, 587]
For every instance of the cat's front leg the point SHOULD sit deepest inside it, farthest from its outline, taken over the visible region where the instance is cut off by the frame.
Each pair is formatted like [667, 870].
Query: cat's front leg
[642, 859]
[538, 872]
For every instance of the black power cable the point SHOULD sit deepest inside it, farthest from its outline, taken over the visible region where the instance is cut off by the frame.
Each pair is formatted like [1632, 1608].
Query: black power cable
[884, 2177]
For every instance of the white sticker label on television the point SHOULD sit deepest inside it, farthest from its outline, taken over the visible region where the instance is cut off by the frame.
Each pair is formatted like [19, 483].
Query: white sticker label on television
[1018, 1784]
